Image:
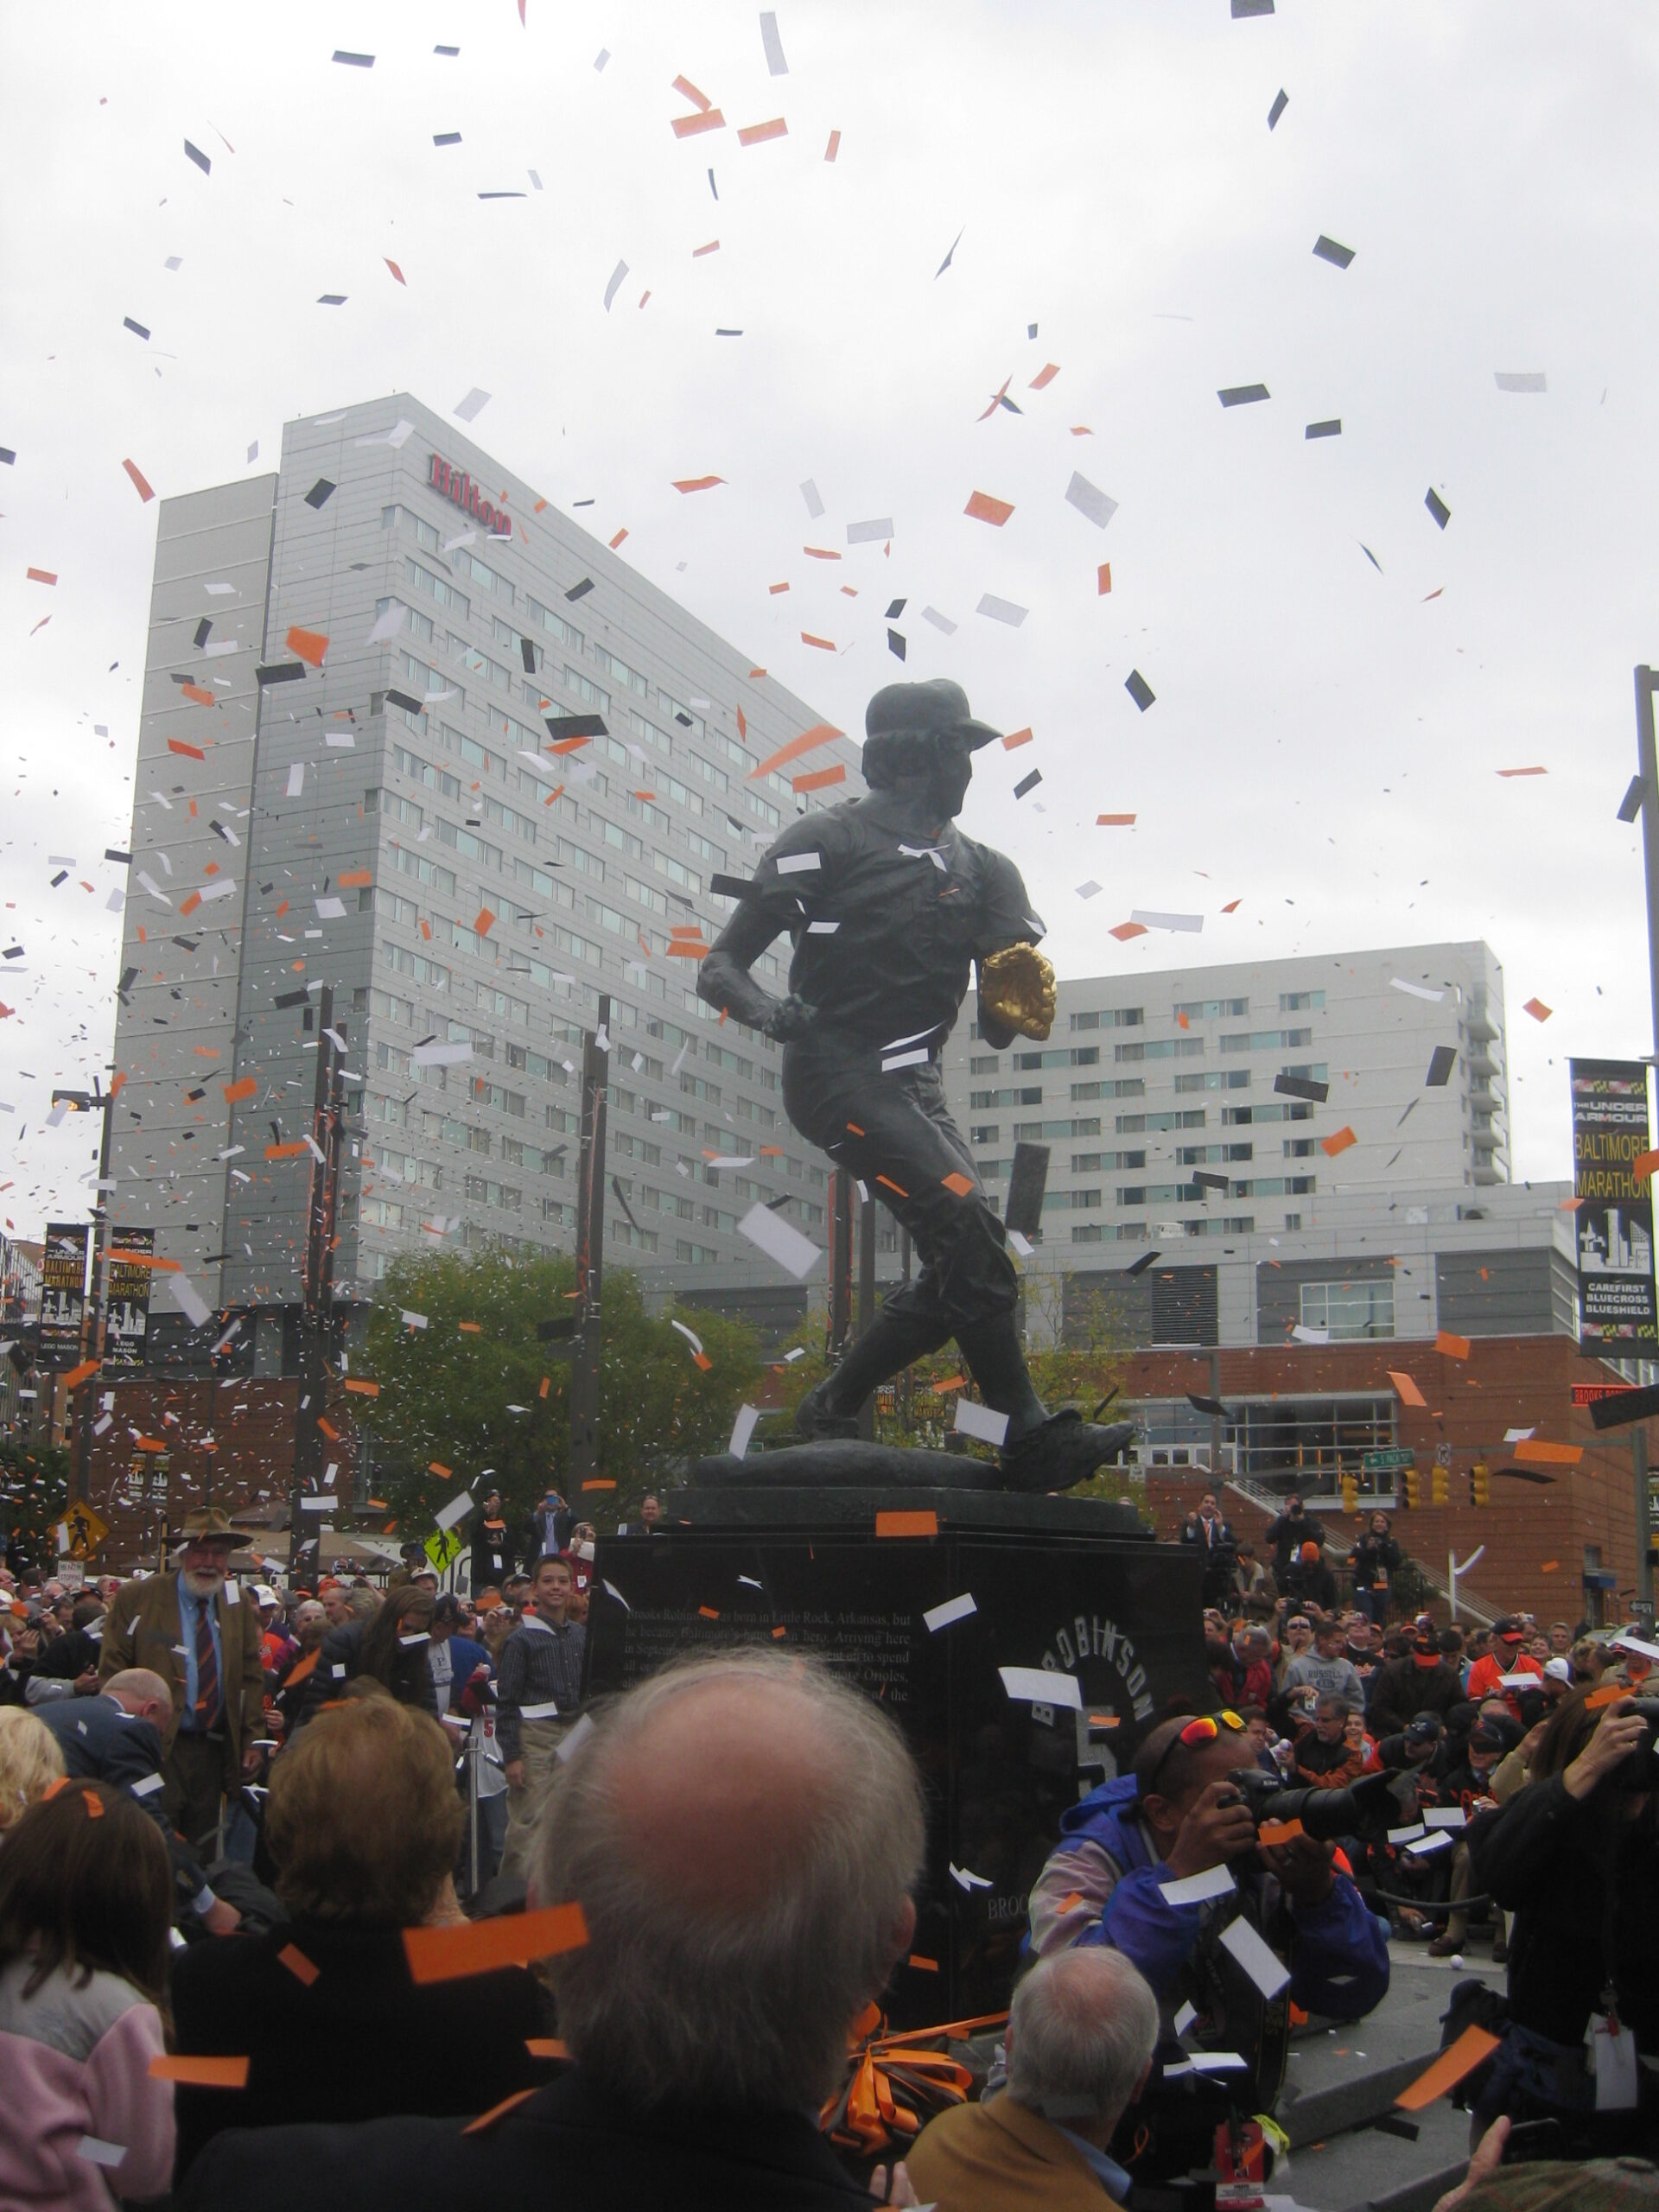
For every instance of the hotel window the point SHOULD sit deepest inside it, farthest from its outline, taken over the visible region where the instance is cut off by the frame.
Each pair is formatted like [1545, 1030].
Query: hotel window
[1348, 1309]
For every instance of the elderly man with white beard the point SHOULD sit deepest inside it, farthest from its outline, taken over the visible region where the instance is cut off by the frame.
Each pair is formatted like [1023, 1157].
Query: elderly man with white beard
[191, 1628]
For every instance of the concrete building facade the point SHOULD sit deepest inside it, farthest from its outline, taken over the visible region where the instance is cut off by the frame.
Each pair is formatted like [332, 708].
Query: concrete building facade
[360, 765]
[1155, 1093]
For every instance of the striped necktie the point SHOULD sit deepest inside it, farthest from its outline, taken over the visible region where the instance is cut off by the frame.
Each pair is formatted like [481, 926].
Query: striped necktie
[206, 1666]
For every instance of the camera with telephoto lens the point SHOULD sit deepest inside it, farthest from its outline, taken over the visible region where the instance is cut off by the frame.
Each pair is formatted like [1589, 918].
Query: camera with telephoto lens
[1641, 1770]
[1363, 1808]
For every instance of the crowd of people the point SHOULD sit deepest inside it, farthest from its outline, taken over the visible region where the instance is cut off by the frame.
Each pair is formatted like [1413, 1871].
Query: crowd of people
[225, 1807]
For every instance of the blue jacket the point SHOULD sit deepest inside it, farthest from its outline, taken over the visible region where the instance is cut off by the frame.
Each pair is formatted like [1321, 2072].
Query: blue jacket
[1338, 1956]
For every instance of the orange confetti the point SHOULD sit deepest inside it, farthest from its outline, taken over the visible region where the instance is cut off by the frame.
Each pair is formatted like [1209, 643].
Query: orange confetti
[816, 779]
[775, 589]
[42, 576]
[687, 126]
[1114, 821]
[958, 1182]
[283, 1151]
[246, 1087]
[1537, 1009]
[1103, 579]
[293, 1959]
[138, 483]
[906, 1524]
[1536, 1452]
[757, 134]
[983, 508]
[696, 483]
[1279, 1832]
[1473, 2047]
[834, 146]
[819, 553]
[437, 1467]
[698, 251]
[512, 1940]
[1015, 739]
[618, 539]
[1125, 930]
[598, 1482]
[887, 1183]
[355, 877]
[950, 1382]
[808, 742]
[308, 645]
[329, 1429]
[687, 89]
[1332, 1145]
[1642, 1166]
[824, 644]
[363, 1390]
[708, 1612]
[395, 269]
[200, 2073]
[189, 752]
[1409, 1394]
[485, 923]
[488, 2119]
[1549, 1567]
[1045, 377]
[1610, 1695]
[189, 906]
[926, 1966]
[77, 1374]
[1454, 1347]
[546, 2047]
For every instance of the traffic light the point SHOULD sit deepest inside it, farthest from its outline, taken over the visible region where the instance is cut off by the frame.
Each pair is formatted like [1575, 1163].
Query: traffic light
[1351, 1493]
[1438, 1486]
[1480, 1483]
[1414, 1487]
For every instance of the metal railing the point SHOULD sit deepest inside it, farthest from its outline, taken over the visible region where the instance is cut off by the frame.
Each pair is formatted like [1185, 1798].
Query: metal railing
[1412, 1588]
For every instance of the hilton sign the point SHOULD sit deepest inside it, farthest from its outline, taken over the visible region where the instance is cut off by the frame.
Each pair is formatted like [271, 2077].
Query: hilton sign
[455, 485]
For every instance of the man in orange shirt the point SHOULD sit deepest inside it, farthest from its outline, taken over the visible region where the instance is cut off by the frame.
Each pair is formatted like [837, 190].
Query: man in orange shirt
[1507, 1656]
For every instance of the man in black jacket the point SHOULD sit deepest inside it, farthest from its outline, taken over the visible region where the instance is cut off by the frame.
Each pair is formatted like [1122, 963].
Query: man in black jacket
[1288, 1532]
[1423, 1681]
[742, 1832]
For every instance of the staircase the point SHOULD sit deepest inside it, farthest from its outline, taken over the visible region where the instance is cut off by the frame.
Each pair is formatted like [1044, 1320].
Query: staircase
[1269, 1502]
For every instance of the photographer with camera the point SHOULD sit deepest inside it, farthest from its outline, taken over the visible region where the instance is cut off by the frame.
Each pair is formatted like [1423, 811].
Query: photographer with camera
[1574, 1854]
[1190, 1807]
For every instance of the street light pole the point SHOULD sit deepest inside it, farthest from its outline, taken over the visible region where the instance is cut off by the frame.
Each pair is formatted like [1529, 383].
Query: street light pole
[100, 1101]
[318, 1286]
[1647, 763]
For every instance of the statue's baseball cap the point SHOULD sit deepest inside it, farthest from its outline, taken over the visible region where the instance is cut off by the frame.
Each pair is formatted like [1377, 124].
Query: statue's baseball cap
[938, 705]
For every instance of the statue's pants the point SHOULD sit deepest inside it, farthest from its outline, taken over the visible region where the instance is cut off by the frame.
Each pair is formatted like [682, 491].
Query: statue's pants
[895, 1132]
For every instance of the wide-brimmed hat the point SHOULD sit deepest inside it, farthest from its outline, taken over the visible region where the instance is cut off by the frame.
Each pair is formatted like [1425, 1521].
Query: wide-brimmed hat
[207, 1523]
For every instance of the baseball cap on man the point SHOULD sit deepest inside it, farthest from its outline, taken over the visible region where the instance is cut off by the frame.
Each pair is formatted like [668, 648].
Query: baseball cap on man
[1508, 1628]
[1425, 1729]
[938, 705]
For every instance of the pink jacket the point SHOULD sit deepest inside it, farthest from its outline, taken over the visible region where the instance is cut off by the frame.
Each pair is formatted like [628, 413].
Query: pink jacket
[75, 2060]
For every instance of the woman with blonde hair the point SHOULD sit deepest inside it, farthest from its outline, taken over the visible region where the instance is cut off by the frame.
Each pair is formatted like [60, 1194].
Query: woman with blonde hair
[30, 1763]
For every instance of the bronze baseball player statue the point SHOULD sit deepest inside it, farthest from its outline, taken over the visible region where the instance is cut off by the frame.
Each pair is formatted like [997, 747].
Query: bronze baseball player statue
[889, 908]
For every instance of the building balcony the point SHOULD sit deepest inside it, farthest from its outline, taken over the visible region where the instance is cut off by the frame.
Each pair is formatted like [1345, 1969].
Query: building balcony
[1482, 1028]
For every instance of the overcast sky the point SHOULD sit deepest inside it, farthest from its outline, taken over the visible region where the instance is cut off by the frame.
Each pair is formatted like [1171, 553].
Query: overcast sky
[1327, 735]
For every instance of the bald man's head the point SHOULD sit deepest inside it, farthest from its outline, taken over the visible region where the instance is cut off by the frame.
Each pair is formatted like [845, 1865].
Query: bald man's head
[138, 1691]
[742, 1832]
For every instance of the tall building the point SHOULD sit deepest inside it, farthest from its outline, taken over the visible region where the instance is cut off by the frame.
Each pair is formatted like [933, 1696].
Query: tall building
[1155, 1094]
[409, 733]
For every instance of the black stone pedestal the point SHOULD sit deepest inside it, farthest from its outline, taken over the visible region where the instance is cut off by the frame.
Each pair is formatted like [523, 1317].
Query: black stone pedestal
[1075, 1586]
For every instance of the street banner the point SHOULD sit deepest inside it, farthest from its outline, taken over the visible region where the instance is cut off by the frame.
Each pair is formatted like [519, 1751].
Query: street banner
[126, 1297]
[63, 1292]
[1617, 1310]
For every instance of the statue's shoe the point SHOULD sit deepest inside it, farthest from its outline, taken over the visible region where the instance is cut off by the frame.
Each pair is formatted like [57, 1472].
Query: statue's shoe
[814, 1422]
[1065, 1450]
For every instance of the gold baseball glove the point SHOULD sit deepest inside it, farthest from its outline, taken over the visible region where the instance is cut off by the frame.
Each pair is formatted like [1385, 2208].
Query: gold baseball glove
[1016, 987]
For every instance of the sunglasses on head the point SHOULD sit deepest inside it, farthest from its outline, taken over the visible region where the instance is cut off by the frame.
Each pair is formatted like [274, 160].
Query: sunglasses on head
[1204, 1730]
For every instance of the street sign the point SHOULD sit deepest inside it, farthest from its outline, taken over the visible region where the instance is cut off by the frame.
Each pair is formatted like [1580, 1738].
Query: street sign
[81, 1530]
[1442, 1455]
[1591, 1394]
[1389, 1462]
[445, 1546]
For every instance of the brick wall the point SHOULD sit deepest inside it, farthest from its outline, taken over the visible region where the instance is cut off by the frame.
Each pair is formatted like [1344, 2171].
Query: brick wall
[1535, 1534]
[229, 1443]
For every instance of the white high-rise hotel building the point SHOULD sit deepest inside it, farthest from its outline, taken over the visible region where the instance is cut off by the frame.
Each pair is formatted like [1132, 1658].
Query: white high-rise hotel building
[382, 812]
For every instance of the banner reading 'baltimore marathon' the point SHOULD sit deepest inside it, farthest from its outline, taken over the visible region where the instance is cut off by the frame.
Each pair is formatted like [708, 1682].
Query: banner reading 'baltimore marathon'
[1616, 1308]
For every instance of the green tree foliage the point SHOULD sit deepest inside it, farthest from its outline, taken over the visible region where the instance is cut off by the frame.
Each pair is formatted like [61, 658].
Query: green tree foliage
[33, 1491]
[448, 1391]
